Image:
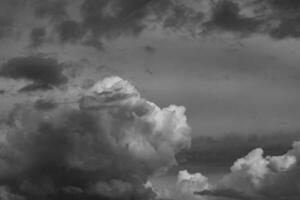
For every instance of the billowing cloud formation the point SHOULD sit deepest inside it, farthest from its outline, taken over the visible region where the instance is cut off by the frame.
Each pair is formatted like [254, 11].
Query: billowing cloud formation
[43, 72]
[105, 146]
[257, 177]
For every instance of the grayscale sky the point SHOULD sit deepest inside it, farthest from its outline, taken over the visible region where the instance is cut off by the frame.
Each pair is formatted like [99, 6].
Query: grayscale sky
[231, 78]
[233, 64]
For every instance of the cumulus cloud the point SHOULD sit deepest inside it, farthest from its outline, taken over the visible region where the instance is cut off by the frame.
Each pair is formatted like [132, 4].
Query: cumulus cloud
[43, 72]
[191, 183]
[256, 176]
[104, 146]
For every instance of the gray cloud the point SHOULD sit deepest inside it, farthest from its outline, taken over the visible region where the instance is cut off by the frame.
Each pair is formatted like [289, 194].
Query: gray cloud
[53, 9]
[37, 36]
[70, 31]
[45, 104]
[104, 146]
[112, 18]
[44, 72]
[284, 14]
[6, 25]
[34, 87]
[149, 49]
[226, 16]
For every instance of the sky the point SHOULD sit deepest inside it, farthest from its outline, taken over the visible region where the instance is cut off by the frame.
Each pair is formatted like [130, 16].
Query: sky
[230, 78]
[232, 64]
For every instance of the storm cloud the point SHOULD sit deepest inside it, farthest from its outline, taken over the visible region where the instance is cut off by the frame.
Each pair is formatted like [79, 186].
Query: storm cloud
[43, 72]
[105, 146]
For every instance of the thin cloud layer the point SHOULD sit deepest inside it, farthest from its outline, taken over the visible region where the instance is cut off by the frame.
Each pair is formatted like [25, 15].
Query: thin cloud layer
[104, 146]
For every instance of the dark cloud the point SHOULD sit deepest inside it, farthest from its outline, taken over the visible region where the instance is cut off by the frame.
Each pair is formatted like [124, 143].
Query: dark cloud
[36, 87]
[45, 104]
[113, 18]
[53, 9]
[149, 49]
[286, 29]
[285, 4]
[70, 31]
[276, 18]
[94, 42]
[226, 17]
[181, 17]
[44, 72]
[285, 14]
[37, 36]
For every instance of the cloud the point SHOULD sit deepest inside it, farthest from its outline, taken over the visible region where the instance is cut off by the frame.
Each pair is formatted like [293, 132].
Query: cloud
[226, 17]
[37, 36]
[149, 49]
[112, 18]
[70, 31]
[45, 104]
[191, 183]
[276, 18]
[92, 22]
[283, 19]
[5, 27]
[43, 72]
[53, 9]
[34, 87]
[256, 176]
[105, 145]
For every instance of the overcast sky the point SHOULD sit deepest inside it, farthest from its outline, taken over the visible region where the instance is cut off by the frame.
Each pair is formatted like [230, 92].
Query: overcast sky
[233, 64]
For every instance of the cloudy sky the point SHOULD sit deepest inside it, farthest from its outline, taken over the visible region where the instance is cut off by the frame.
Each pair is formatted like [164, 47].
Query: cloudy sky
[233, 65]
